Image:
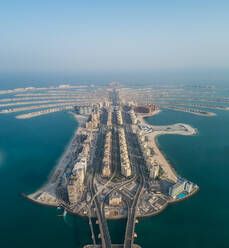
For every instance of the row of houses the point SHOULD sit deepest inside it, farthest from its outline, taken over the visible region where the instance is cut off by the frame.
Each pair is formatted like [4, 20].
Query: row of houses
[75, 185]
[182, 185]
[109, 118]
[94, 120]
[124, 158]
[152, 165]
[133, 117]
[119, 117]
[107, 155]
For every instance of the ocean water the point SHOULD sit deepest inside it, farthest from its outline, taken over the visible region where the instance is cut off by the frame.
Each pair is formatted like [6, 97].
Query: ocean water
[30, 148]
[202, 220]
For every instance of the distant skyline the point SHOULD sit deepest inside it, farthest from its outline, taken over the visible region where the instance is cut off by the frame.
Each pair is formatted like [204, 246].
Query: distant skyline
[114, 37]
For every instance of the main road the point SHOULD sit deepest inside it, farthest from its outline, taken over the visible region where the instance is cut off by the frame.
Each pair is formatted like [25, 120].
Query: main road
[105, 236]
[134, 147]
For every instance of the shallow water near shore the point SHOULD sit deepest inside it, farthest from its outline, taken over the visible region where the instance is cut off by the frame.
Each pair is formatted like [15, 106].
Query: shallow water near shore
[29, 150]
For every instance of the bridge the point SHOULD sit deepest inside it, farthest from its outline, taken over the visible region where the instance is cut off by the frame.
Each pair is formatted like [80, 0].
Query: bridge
[132, 214]
[112, 246]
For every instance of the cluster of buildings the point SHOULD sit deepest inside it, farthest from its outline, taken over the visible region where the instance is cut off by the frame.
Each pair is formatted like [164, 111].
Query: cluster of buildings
[84, 109]
[94, 120]
[152, 165]
[154, 169]
[149, 108]
[119, 117]
[115, 199]
[109, 118]
[181, 186]
[133, 117]
[124, 158]
[75, 183]
[107, 155]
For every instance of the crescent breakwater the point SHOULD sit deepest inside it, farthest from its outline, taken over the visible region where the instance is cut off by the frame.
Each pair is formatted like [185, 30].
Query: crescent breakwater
[13, 110]
[42, 112]
[45, 97]
[199, 105]
[35, 102]
[191, 111]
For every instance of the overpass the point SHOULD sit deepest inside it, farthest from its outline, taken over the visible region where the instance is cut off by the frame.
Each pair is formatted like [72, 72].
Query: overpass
[132, 213]
[136, 157]
[105, 236]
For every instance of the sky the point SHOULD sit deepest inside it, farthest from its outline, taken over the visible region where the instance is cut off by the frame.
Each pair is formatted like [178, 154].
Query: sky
[102, 37]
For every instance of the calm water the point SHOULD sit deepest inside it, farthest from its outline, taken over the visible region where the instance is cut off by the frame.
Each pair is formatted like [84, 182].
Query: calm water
[200, 221]
[30, 148]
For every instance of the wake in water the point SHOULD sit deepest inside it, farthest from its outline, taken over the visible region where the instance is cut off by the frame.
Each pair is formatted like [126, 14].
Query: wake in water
[67, 220]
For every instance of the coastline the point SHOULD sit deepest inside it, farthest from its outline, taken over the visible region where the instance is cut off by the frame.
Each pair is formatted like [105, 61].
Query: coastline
[169, 172]
[48, 186]
[169, 203]
[159, 156]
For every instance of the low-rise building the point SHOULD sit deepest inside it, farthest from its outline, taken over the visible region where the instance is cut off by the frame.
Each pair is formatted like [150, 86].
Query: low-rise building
[115, 200]
[125, 162]
[126, 171]
[106, 171]
[119, 117]
[133, 117]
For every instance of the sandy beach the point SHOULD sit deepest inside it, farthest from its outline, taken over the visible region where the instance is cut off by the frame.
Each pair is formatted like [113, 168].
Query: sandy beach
[47, 191]
[179, 128]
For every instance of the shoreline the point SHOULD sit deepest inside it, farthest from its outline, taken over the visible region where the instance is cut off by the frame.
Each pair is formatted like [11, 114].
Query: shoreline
[120, 217]
[191, 111]
[159, 156]
[47, 187]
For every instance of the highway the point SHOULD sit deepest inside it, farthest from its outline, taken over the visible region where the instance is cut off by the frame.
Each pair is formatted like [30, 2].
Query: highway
[136, 155]
[105, 236]
[132, 213]
[137, 164]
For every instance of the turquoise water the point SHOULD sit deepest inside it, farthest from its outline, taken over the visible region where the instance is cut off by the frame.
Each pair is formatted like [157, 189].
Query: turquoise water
[202, 220]
[30, 148]
[181, 195]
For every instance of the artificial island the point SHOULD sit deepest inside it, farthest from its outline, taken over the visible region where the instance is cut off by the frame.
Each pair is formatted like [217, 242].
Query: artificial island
[113, 167]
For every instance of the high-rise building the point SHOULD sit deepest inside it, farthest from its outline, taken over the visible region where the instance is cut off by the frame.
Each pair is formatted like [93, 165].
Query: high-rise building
[177, 188]
[188, 187]
[154, 171]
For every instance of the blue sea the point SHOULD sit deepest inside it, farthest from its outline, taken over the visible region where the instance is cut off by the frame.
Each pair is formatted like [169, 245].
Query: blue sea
[30, 148]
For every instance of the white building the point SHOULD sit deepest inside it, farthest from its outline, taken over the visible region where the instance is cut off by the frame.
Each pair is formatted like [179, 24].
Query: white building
[133, 117]
[177, 188]
[154, 171]
[188, 187]
[125, 162]
[81, 163]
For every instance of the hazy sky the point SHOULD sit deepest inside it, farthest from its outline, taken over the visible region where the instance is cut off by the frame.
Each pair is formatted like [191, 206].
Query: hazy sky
[113, 35]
